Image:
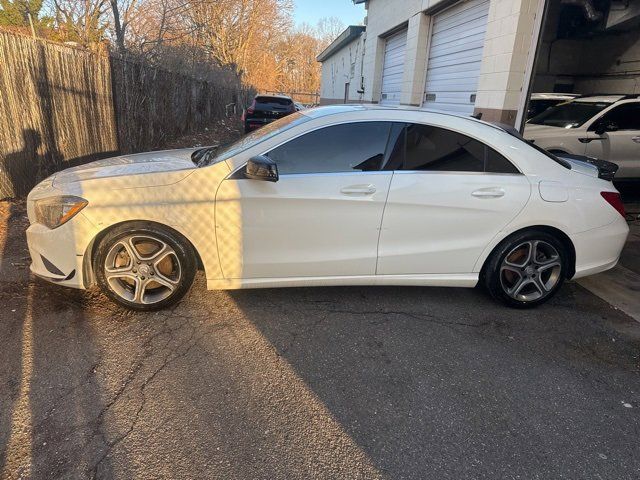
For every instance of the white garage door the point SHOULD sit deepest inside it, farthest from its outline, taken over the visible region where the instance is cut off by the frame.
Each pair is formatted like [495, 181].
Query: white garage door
[393, 67]
[455, 56]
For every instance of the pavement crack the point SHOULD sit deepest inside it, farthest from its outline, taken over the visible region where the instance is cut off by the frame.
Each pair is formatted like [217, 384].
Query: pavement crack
[173, 354]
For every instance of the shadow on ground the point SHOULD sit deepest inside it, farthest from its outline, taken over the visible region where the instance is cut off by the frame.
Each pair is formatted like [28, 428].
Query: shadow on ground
[313, 383]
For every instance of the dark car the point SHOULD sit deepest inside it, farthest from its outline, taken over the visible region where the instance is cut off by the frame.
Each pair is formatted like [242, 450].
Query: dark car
[265, 109]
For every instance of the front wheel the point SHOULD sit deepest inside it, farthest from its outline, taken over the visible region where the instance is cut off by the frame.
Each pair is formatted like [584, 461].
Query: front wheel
[144, 267]
[527, 269]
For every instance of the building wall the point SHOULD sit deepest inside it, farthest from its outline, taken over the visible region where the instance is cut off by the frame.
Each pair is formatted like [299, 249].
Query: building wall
[604, 64]
[383, 17]
[344, 66]
[508, 44]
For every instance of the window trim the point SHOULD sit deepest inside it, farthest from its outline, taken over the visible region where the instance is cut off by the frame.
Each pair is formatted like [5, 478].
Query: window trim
[456, 172]
[594, 123]
[345, 122]
[334, 124]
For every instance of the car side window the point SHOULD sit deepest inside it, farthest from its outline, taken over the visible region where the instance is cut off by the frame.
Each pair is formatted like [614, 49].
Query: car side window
[425, 147]
[625, 116]
[346, 147]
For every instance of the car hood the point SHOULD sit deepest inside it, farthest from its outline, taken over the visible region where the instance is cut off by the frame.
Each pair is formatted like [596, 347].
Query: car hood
[536, 131]
[168, 161]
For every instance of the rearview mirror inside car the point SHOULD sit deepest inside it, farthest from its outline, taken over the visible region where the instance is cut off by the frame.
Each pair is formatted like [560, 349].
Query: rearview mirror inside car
[262, 167]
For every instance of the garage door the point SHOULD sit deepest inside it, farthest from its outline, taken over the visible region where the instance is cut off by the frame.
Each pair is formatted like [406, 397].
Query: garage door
[455, 57]
[394, 51]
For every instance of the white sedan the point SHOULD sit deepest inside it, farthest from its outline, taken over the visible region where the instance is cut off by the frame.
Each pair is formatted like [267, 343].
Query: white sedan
[341, 195]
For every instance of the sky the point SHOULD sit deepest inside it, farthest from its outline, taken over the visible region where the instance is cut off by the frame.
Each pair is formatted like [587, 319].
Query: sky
[310, 11]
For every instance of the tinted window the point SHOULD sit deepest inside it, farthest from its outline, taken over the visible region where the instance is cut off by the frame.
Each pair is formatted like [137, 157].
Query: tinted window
[496, 163]
[432, 148]
[340, 148]
[254, 138]
[396, 147]
[625, 116]
[536, 107]
[569, 115]
[275, 101]
[423, 147]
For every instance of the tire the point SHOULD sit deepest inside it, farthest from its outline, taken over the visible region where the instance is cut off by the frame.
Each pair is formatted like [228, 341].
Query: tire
[143, 266]
[516, 279]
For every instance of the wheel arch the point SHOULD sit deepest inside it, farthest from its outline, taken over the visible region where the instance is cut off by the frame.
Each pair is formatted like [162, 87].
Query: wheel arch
[556, 232]
[87, 261]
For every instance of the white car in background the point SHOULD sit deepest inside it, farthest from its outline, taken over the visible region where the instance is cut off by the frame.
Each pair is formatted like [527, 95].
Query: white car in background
[539, 102]
[341, 195]
[606, 127]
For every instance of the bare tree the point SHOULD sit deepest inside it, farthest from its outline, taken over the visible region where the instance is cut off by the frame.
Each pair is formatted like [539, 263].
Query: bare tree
[122, 12]
[233, 31]
[81, 21]
[328, 30]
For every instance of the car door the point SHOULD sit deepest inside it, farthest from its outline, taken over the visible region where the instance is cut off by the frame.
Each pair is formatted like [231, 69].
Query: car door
[321, 218]
[449, 196]
[622, 145]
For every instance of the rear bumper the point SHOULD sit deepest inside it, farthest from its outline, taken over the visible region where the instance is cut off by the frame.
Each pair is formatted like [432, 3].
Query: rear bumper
[255, 123]
[599, 249]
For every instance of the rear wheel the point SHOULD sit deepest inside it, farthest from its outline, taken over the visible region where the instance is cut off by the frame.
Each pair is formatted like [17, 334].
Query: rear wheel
[527, 269]
[144, 267]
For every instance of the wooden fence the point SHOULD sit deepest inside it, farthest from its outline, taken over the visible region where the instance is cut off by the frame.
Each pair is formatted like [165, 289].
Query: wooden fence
[55, 105]
[153, 105]
[62, 106]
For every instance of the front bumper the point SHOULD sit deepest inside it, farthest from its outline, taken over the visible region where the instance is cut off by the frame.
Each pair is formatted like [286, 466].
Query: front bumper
[58, 255]
[599, 249]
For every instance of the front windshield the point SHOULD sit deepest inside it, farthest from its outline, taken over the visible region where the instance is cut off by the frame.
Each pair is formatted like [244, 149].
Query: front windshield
[569, 115]
[225, 152]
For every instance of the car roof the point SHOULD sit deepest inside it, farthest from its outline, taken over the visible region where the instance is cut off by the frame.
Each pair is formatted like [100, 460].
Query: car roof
[324, 111]
[273, 95]
[601, 98]
[553, 96]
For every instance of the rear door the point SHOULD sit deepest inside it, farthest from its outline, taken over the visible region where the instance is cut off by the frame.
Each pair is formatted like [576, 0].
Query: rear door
[621, 146]
[449, 196]
[322, 218]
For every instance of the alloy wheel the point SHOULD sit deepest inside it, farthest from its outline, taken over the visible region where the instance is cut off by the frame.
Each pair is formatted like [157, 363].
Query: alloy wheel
[530, 270]
[142, 269]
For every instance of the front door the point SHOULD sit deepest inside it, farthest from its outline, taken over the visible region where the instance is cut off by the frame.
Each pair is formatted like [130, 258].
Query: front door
[621, 146]
[322, 218]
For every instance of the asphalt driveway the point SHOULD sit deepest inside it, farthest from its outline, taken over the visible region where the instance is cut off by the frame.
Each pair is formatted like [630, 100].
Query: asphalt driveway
[312, 383]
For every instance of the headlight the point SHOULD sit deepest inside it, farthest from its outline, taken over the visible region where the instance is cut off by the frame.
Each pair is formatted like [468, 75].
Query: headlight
[55, 211]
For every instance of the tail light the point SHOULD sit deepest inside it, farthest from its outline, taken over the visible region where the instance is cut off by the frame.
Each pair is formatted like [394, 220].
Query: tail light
[615, 200]
[251, 108]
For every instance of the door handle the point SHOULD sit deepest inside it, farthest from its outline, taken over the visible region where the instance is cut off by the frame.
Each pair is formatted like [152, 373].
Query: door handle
[590, 139]
[359, 190]
[492, 192]
[636, 139]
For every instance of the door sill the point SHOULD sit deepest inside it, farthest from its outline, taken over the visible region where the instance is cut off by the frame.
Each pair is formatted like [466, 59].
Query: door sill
[432, 280]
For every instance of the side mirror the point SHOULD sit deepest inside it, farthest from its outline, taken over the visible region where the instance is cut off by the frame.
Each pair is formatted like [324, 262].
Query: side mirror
[603, 127]
[262, 167]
